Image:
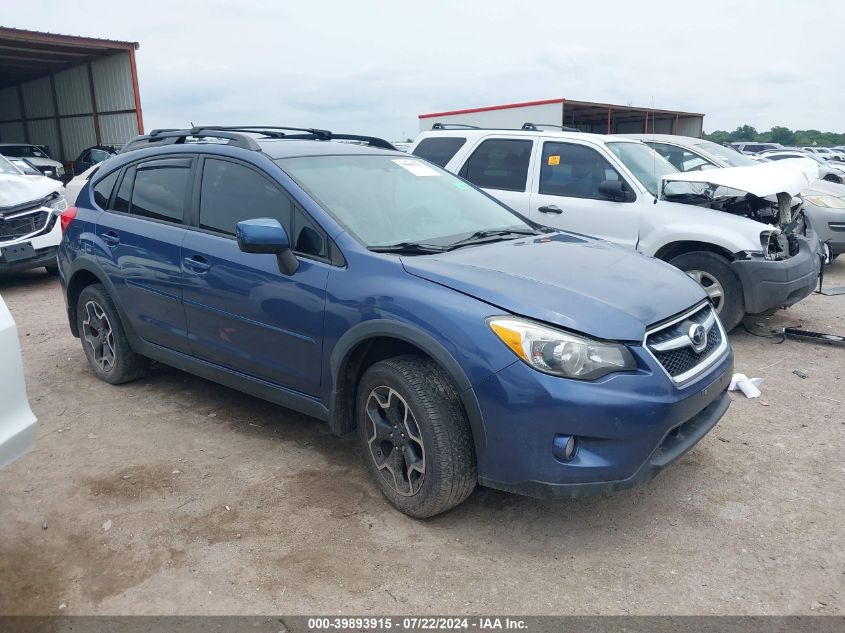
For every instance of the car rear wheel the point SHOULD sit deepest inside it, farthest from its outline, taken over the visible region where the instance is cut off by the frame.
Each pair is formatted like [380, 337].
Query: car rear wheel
[414, 436]
[833, 178]
[104, 339]
[713, 273]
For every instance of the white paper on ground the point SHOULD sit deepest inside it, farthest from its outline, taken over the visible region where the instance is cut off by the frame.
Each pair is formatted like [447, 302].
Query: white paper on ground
[749, 386]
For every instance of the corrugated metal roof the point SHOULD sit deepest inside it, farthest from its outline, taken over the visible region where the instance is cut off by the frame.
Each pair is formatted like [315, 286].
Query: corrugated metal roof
[27, 54]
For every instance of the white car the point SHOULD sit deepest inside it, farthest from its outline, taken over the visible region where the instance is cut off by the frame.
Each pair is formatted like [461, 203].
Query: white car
[17, 422]
[750, 254]
[75, 184]
[824, 197]
[30, 229]
[35, 155]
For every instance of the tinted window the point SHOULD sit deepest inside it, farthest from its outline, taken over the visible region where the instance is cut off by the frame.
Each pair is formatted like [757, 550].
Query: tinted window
[231, 193]
[439, 150]
[499, 164]
[103, 189]
[575, 171]
[160, 189]
[98, 156]
[124, 193]
[309, 238]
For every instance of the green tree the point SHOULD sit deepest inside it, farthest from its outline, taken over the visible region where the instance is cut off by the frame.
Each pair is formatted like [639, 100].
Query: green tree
[744, 133]
[782, 135]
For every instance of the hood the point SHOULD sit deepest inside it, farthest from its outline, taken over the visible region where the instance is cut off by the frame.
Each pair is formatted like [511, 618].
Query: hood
[578, 283]
[763, 180]
[825, 188]
[17, 190]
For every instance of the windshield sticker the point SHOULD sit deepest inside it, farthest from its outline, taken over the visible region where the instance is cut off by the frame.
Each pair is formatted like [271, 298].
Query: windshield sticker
[416, 167]
[554, 160]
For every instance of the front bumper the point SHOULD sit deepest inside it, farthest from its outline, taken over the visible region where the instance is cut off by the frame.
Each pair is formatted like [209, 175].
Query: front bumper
[628, 426]
[45, 245]
[769, 284]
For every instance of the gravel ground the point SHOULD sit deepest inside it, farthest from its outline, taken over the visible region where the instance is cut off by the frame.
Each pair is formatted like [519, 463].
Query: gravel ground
[173, 495]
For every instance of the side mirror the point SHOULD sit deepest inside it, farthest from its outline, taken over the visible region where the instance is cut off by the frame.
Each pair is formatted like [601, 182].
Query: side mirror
[267, 236]
[614, 190]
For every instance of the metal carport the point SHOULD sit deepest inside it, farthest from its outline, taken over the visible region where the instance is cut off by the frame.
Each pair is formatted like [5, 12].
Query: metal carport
[67, 92]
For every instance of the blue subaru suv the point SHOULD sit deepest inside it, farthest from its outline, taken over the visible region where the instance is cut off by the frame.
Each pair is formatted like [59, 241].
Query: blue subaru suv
[377, 292]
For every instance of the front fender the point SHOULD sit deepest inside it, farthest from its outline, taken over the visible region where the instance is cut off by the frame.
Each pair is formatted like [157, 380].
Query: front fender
[688, 223]
[340, 416]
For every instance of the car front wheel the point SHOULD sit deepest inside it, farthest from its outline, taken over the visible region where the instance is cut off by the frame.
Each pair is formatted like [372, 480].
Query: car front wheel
[722, 285]
[104, 339]
[414, 436]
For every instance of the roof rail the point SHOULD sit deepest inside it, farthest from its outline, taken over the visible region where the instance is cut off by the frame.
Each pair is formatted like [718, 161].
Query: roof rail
[454, 126]
[536, 127]
[173, 136]
[275, 131]
[240, 136]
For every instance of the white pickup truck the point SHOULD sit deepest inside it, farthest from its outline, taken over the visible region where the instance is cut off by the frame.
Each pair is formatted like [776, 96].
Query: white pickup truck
[752, 253]
[17, 422]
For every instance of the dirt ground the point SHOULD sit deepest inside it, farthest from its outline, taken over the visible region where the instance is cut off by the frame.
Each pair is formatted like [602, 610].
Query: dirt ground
[173, 495]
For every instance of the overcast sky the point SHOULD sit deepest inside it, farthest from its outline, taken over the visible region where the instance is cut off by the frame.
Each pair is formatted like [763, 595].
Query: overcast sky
[362, 66]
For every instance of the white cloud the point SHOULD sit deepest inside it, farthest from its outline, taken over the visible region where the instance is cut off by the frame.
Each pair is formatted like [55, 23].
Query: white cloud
[372, 66]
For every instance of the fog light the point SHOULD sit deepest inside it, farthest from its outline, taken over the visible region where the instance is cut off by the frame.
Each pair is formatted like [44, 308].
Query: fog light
[564, 447]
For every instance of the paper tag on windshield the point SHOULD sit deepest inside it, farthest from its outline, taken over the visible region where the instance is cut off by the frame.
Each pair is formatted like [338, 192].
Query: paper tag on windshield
[554, 160]
[416, 167]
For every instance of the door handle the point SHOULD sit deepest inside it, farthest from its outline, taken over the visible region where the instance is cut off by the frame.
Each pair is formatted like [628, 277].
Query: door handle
[111, 238]
[197, 264]
[551, 208]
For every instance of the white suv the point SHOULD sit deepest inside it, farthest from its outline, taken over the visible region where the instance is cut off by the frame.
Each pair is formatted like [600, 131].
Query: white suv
[30, 230]
[752, 253]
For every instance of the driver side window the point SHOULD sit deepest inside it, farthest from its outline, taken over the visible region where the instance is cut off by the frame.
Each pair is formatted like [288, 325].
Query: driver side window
[574, 171]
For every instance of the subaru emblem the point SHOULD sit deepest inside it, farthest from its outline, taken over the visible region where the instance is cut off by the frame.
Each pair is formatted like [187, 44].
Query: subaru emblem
[698, 337]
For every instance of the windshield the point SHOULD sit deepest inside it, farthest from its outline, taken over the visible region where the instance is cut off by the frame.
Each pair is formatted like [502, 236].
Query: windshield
[385, 199]
[728, 156]
[26, 151]
[8, 168]
[649, 167]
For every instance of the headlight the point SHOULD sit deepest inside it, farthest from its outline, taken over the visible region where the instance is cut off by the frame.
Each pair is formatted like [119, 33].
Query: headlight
[57, 203]
[831, 202]
[559, 353]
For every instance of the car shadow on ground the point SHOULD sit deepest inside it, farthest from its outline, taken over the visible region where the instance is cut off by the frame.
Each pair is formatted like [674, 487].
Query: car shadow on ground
[253, 417]
[35, 278]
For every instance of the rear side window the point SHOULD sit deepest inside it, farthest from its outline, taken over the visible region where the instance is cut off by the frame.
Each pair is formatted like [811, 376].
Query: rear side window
[103, 189]
[124, 192]
[160, 189]
[439, 150]
[231, 193]
[499, 164]
[574, 171]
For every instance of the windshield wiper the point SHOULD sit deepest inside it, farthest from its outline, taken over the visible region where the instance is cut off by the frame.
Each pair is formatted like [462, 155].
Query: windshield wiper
[408, 248]
[483, 237]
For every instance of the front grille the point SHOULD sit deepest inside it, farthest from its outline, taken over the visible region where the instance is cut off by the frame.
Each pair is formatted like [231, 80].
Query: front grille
[22, 224]
[681, 360]
[672, 346]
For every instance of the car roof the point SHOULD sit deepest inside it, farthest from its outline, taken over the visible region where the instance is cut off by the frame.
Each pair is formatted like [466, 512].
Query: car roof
[289, 148]
[476, 132]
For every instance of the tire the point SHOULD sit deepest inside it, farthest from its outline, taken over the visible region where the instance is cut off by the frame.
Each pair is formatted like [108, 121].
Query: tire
[52, 270]
[833, 178]
[437, 436]
[114, 363]
[719, 281]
